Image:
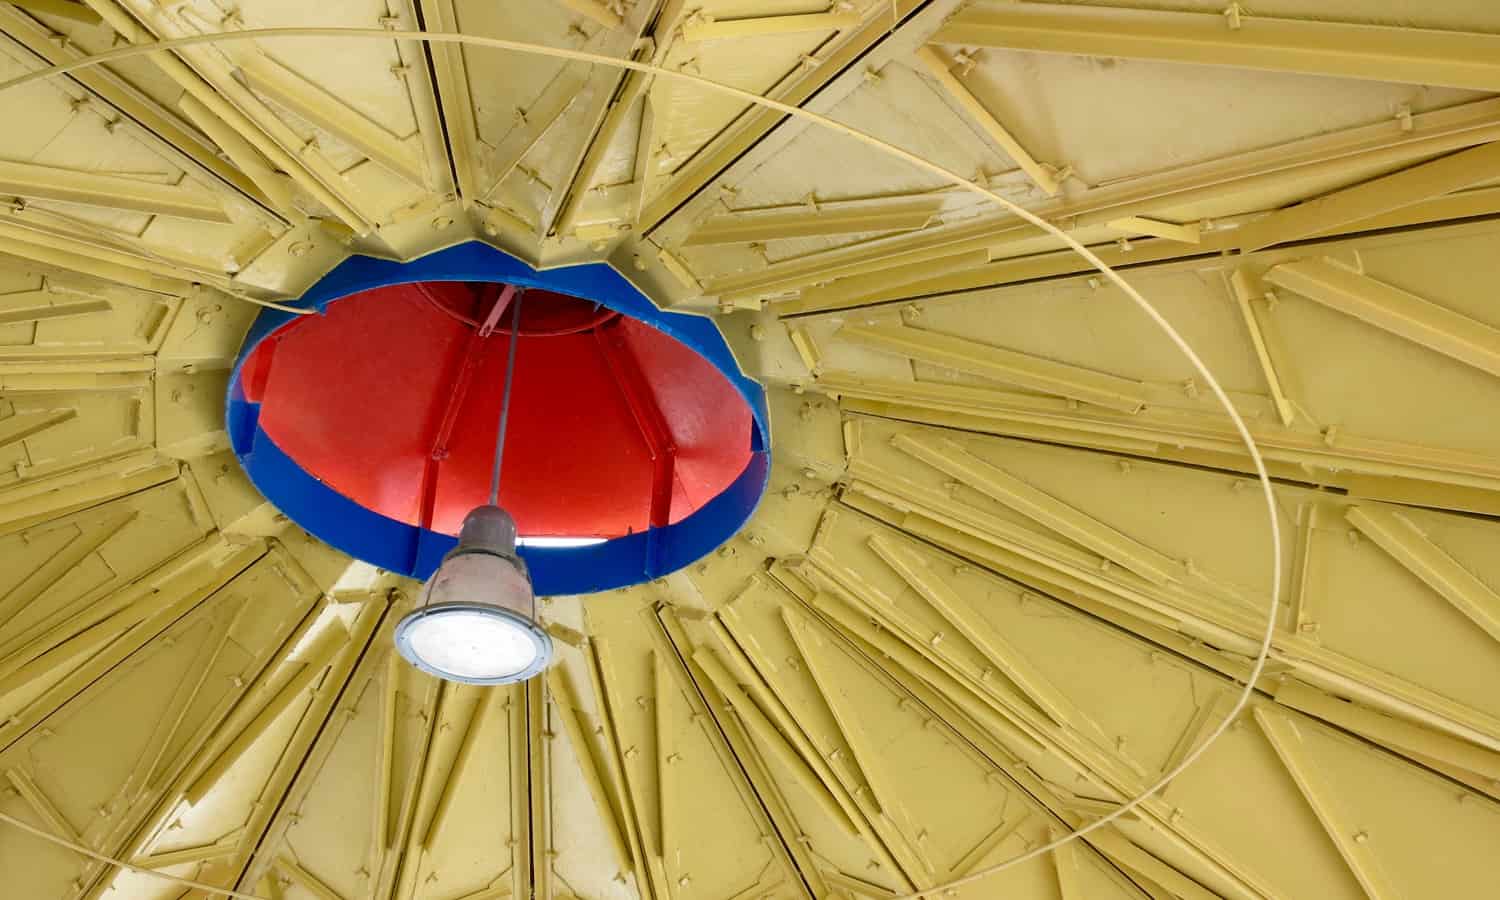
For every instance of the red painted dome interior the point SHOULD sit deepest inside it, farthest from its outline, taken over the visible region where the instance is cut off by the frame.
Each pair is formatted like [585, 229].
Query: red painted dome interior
[392, 399]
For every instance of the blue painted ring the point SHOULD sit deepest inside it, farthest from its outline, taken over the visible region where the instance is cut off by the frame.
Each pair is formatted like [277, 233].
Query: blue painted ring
[414, 551]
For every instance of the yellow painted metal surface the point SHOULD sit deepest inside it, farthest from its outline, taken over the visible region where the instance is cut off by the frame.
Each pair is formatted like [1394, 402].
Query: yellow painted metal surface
[1012, 565]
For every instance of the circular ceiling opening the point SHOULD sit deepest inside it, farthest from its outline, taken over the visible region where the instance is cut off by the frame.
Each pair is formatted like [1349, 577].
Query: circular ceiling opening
[633, 448]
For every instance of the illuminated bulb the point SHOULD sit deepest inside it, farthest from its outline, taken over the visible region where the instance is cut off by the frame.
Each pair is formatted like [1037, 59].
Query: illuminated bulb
[475, 622]
[548, 541]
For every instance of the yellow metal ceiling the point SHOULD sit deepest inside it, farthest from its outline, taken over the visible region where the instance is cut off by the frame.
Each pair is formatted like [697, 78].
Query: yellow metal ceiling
[1013, 565]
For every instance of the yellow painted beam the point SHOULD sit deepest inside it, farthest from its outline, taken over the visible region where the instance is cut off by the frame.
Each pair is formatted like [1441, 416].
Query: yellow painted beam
[293, 690]
[20, 426]
[756, 123]
[1068, 866]
[566, 699]
[937, 66]
[461, 707]
[47, 498]
[1404, 736]
[1246, 298]
[187, 855]
[40, 182]
[751, 680]
[636, 86]
[1282, 731]
[644, 33]
[328, 112]
[709, 29]
[1122, 850]
[1397, 536]
[1043, 508]
[953, 607]
[276, 186]
[224, 98]
[493, 892]
[1183, 234]
[67, 9]
[170, 136]
[1391, 309]
[10, 315]
[1011, 366]
[86, 258]
[390, 697]
[484, 708]
[937, 253]
[770, 738]
[306, 880]
[785, 223]
[598, 12]
[1345, 50]
[1408, 187]
[41, 804]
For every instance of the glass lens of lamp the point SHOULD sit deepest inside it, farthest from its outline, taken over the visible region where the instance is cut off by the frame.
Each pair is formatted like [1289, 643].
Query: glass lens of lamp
[472, 644]
[473, 623]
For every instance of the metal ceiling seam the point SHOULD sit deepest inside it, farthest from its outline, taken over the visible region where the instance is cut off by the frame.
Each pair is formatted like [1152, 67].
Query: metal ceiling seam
[1093, 259]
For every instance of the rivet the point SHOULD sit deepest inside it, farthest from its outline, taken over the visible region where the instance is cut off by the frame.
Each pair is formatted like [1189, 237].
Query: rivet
[1361, 836]
[441, 222]
[300, 248]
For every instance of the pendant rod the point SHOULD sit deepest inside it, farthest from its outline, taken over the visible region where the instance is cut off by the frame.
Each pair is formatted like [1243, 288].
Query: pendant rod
[510, 371]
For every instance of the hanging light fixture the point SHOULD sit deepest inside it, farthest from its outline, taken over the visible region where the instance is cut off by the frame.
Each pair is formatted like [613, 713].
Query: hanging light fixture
[475, 621]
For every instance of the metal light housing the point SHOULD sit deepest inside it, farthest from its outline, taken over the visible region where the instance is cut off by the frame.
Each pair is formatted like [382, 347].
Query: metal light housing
[475, 621]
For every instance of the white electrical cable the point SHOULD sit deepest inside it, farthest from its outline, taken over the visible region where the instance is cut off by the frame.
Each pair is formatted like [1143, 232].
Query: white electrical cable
[1256, 669]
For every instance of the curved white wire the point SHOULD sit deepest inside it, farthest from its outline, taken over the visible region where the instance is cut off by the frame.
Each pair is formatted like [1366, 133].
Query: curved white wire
[1256, 669]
